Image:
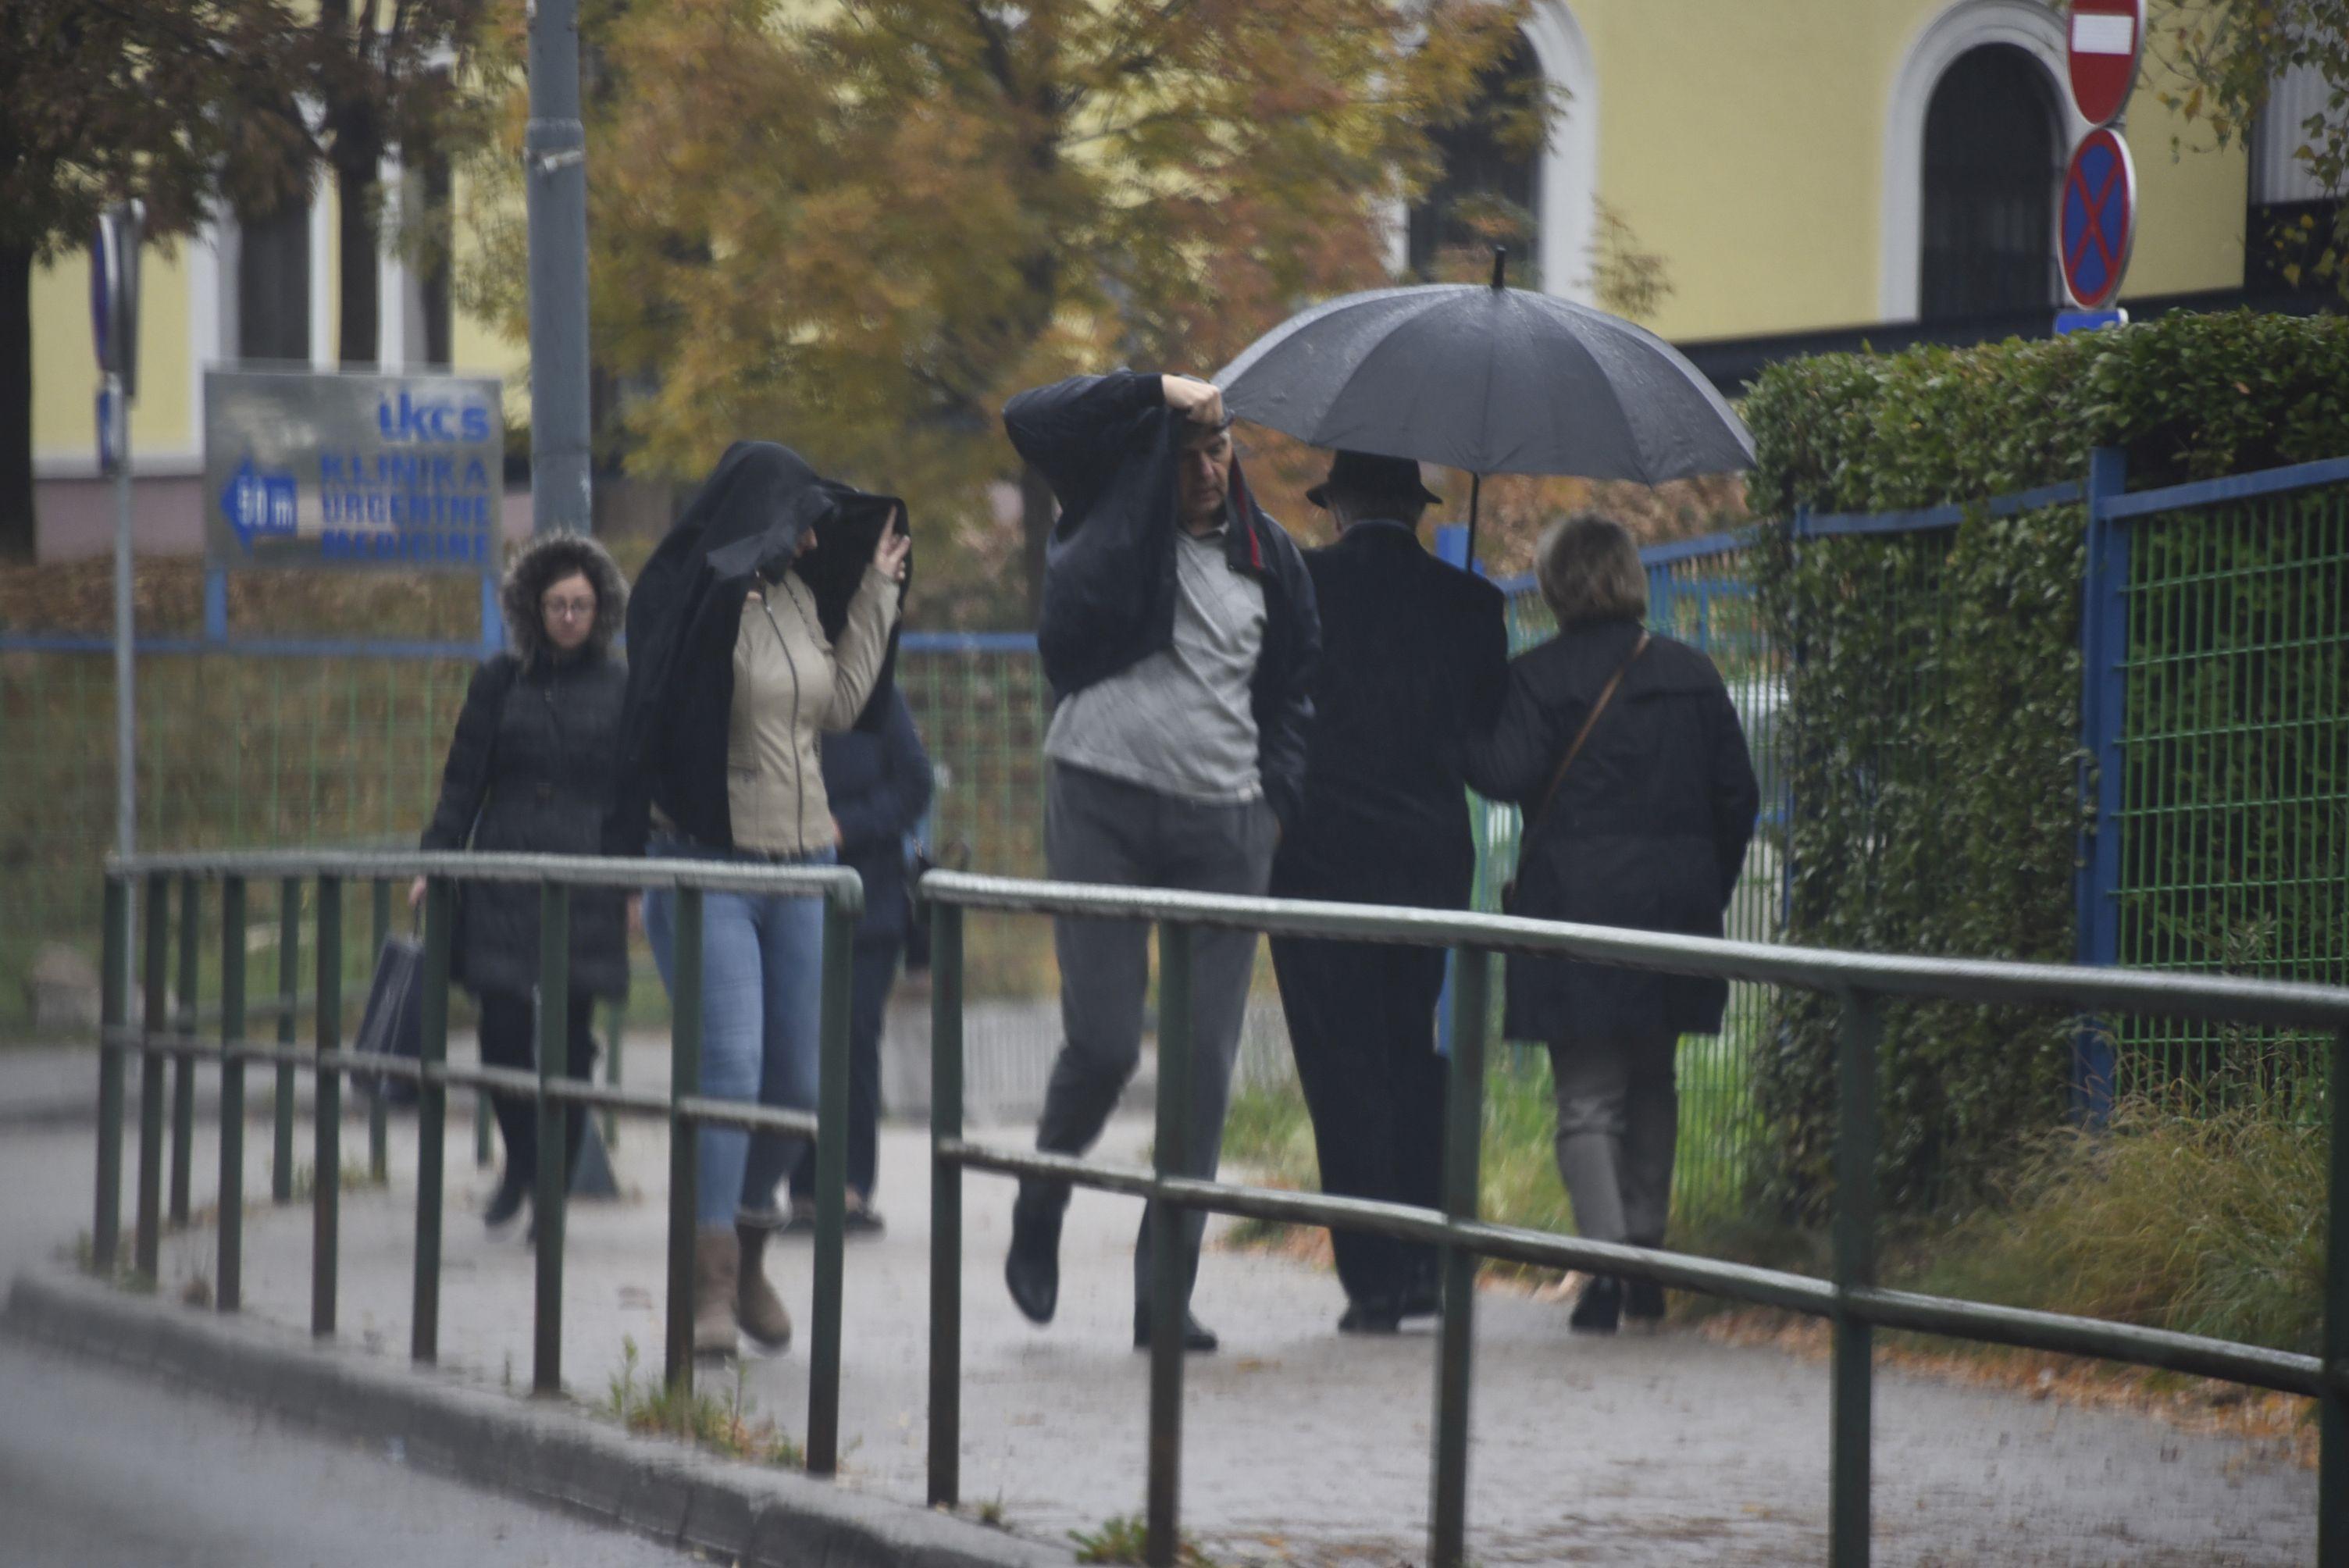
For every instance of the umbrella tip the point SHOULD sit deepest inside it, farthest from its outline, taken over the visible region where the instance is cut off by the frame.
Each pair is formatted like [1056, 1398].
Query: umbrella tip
[1500, 264]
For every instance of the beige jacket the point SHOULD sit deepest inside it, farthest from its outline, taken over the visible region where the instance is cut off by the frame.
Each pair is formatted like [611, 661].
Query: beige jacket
[790, 686]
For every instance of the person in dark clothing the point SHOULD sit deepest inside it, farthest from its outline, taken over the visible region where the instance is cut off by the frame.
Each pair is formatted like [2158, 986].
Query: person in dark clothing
[1414, 658]
[1624, 754]
[879, 783]
[532, 771]
[1179, 635]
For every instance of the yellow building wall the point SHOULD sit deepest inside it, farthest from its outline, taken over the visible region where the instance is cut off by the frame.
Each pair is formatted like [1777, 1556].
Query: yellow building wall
[1745, 143]
[64, 362]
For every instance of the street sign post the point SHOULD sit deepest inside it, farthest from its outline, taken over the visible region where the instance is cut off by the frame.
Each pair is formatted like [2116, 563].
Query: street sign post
[114, 328]
[2106, 40]
[2099, 219]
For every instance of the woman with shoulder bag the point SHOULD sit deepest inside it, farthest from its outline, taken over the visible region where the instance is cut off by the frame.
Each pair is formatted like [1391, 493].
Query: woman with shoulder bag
[765, 621]
[532, 771]
[1625, 756]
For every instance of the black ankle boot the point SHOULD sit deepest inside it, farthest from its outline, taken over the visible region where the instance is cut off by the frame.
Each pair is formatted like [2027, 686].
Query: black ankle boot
[1600, 1304]
[514, 1188]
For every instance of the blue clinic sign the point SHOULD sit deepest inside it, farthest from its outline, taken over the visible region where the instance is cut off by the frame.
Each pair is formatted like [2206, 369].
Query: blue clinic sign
[326, 469]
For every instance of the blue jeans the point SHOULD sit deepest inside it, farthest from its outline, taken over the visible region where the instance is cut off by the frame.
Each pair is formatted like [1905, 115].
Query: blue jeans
[761, 1014]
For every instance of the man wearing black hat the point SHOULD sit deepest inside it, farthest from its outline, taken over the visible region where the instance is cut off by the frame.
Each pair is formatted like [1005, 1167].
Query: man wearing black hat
[1414, 659]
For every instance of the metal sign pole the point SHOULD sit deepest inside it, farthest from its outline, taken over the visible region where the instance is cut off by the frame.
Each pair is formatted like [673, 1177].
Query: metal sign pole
[554, 154]
[126, 726]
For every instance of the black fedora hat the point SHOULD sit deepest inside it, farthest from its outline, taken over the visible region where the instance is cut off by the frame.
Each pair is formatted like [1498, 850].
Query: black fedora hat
[1368, 474]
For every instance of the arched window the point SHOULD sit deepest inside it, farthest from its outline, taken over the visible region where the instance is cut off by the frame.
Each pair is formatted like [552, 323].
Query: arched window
[1991, 170]
[1487, 193]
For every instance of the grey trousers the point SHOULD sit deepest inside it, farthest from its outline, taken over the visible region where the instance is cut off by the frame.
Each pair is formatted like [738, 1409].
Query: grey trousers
[1102, 830]
[1618, 1125]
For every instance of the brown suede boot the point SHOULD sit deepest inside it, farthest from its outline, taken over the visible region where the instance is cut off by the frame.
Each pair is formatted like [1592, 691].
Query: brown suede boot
[716, 1255]
[755, 1301]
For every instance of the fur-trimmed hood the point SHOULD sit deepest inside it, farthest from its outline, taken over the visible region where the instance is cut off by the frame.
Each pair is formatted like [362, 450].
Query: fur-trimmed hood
[547, 560]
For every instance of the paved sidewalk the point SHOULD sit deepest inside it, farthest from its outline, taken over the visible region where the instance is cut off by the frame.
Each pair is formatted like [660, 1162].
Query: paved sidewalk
[1301, 1445]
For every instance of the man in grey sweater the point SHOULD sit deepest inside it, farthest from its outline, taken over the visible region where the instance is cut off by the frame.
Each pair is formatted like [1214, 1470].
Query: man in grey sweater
[1179, 633]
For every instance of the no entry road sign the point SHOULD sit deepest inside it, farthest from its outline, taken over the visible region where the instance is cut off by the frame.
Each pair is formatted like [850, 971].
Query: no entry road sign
[2099, 218]
[2107, 38]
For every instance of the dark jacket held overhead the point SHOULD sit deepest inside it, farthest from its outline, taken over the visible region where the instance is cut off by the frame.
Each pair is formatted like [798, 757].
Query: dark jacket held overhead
[1648, 830]
[742, 528]
[1109, 447]
[532, 771]
[1414, 659]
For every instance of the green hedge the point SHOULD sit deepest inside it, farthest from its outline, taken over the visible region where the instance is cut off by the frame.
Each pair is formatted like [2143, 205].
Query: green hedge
[1936, 677]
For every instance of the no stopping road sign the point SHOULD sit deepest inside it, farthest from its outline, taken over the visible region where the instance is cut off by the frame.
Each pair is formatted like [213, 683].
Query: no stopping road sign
[2099, 218]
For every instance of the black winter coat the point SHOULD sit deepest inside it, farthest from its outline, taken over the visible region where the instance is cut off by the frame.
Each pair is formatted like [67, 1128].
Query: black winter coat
[1414, 658]
[742, 528]
[1649, 829]
[531, 771]
[879, 783]
[1109, 447]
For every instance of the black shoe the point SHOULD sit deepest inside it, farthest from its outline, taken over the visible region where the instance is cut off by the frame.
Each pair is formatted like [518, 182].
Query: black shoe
[1379, 1315]
[513, 1191]
[1424, 1300]
[1601, 1304]
[1197, 1336]
[861, 1218]
[1643, 1301]
[1032, 1271]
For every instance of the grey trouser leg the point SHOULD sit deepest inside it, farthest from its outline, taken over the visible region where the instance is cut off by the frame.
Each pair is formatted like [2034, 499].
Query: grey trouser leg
[1100, 830]
[1618, 1125]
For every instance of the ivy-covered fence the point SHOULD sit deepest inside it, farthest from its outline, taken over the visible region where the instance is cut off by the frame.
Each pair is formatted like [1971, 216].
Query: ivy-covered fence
[2054, 724]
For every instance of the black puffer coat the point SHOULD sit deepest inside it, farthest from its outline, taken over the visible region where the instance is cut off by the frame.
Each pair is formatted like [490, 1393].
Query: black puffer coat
[531, 771]
[1649, 829]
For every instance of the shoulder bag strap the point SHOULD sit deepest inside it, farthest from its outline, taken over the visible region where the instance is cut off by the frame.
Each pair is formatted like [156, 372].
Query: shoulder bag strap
[1605, 697]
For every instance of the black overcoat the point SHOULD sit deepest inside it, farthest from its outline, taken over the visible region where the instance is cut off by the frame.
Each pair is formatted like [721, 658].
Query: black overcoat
[1649, 829]
[879, 783]
[1414, 659]
[532, 771]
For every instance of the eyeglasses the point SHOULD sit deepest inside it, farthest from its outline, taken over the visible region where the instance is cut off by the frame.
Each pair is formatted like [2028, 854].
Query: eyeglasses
[568, 609]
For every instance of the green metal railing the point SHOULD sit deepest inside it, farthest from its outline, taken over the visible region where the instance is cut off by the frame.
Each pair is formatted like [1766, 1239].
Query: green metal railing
[1852, 1301]
[167, 1038]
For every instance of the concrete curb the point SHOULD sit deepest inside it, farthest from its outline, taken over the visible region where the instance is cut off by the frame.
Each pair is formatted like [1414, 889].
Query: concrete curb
[548, 1451]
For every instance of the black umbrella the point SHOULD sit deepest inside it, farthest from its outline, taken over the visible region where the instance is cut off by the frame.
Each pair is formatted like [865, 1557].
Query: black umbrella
[1488, 379]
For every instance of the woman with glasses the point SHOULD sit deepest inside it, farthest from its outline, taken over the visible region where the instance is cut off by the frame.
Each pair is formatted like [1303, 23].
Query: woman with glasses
[531, 771]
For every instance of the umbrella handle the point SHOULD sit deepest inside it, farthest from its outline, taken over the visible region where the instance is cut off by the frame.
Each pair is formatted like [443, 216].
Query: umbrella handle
[1475, 491]
[1500, 264]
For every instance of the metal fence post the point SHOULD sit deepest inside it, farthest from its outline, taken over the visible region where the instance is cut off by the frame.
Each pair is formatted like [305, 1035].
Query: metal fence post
[378, 1139]
[1169, 1278]
[2332, 1404]
[289, 983]
[2103, 703]
[431, 1122]
[1852, 1368]
[945, 1207]
[830, 1185]
[484, 1135]
[183, 1066]
[228, 1291]
[326, 1162]
[114, 1012]
[616, 1015]
[1464, 1128]
[553, 1127]
[148, 1250]
[684, 1079]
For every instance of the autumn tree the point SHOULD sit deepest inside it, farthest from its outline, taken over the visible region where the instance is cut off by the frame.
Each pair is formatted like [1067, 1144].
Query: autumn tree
[2227, 55]
[859, 228]
[103, 102]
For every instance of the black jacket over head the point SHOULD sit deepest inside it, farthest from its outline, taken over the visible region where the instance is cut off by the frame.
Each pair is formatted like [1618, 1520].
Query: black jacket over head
[1649, 829]
[532, 771]
[879, 784]
[1109, 447]
[742, 527]
[1414, 658]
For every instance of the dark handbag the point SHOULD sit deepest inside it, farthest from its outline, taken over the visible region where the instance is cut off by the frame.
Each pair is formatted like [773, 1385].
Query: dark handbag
[1509, 888]
[393, 1025]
